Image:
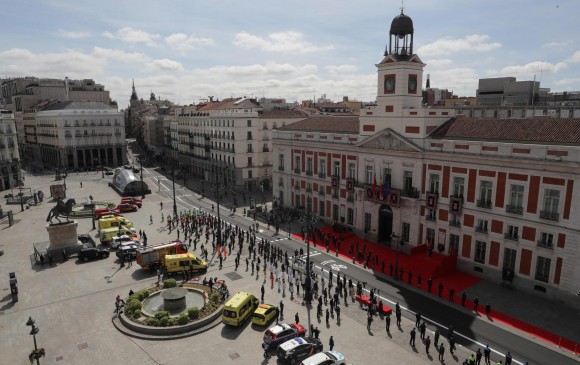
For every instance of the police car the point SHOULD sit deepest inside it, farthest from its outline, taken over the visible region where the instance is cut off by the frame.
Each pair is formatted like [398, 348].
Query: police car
[277, 335]
[298, 348]
[325, 358]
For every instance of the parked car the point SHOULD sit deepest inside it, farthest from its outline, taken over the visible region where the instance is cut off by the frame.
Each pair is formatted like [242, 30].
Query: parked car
[127, 252]
[131, 200]
[264, 314]
[119, 240]
[101, 212]
[325, 358]
[93, 253]
[127, 207]
[298, 349]
[277, 335]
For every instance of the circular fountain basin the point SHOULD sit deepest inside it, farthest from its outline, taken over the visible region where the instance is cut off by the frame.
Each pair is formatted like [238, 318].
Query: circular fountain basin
[174, 301]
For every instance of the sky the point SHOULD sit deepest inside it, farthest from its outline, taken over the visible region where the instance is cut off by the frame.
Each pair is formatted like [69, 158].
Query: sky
[187, 50]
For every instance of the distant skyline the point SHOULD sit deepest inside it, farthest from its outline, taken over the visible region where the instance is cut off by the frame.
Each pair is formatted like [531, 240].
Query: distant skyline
[186, 50]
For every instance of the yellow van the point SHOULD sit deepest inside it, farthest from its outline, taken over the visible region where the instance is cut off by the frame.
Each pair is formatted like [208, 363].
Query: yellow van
[114, 222]
[184, 262]
[106, 235]
[239, 308]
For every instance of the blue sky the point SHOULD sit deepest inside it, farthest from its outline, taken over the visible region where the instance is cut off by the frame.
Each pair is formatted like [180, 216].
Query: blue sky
[185, 50]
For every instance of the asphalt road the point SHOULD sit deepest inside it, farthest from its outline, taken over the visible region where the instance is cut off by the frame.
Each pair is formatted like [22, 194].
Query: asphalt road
[470, 333]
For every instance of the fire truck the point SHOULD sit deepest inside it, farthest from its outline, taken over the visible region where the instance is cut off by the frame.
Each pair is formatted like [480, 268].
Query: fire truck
[152, 257]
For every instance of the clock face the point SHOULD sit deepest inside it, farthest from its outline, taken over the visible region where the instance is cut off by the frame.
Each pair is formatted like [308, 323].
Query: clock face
[412, 83]
[390, 83]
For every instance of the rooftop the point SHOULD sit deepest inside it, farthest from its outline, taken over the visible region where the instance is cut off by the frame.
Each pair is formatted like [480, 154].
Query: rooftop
[62, 105]
[274, 114]
[531, 130]
[326, 123]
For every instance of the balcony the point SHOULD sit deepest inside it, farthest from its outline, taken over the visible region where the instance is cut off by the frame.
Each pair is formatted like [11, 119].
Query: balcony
[250, 150]
[484, 204]
[431, 217]
[297, 170]
[410, 193]
[309, 172]
[549, 216]
[456, 224]
[265, 149]
[250, 164]
[335, 196]
[514, 209]
[545, 244]
[480, 229]
[321, 192]
[322, 175]
[308, 190]
[512, 237]
[296, 187]
[350, 199]
[280, 167]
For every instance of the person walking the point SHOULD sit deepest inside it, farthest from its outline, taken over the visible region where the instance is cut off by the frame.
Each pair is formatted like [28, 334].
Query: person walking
[451, 344]
[296, 318]
[427, 344]
[441, 353]
[331, 343]
[327, 317]
[488, 312]
[508, 358]
[337, 309]
[262, 291]
[277, 316]
[478, 356]
[316, 332]
[282, 309]
[463, 298]
[417, 319]
[388, 323]
[436, 338]
[475, 304]
[369, 321]
[398, 315]
[422, 329]
[412, 337]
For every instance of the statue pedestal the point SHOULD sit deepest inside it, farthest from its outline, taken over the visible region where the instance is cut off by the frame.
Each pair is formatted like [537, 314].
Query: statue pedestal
[62, 235]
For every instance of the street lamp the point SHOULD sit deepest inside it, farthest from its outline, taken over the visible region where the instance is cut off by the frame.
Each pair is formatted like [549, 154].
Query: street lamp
[34, 331]
[141, 173]
[310, 219]
[174, 202]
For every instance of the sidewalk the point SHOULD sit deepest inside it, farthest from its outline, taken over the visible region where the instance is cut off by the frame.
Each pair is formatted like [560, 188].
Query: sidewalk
[531, 314]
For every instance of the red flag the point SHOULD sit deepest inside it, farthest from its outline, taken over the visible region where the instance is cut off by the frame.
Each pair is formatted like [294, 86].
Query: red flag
[375, 183]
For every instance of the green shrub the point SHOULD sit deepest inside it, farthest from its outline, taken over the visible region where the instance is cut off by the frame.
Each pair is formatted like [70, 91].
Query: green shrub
[161, 314]
[183, 319]
[193, 312]
[172, 322]
[154, 322]
[132, 305]
[169, 283]
[142, 294]
[137, 314]
[215, 297]
[163, 322]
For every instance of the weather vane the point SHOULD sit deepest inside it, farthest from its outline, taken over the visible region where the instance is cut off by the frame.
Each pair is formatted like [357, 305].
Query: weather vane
[402, 6]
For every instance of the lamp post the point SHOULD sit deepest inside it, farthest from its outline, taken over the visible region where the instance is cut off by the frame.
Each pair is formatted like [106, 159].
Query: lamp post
[397, 238]
[174, 202]
[141, 174]
[217, 170]
[34, 331]
[308, 218]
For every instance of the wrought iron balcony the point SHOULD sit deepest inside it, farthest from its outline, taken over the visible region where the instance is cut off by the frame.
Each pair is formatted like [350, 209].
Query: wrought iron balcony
[431, 217]
[514, 209]
[297, 170]
[321, 192]
[309, 172]
[481, 229]
[484, 204]
[545, 244]
[322, 175]
[550, 216]
[513, 237]
[456, 224]
[410, 193]
[280, 167]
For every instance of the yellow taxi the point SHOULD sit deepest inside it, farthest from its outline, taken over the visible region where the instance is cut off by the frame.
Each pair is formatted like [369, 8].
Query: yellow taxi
[264, 314]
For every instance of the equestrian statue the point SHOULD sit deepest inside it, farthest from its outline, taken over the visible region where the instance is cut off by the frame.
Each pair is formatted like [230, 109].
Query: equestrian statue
[60, 209]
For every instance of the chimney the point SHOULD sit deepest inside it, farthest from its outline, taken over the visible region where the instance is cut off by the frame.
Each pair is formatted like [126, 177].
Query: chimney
[66, 91]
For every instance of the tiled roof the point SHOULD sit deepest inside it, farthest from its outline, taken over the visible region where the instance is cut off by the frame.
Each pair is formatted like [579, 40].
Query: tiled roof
[326, 123]
[531, 130]
[78, 105]
[230, 103]
[274, 114]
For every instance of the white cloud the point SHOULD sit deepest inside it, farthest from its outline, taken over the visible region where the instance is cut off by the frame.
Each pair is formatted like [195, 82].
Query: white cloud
[575, 58]
[270, 68]
[183, 42]
[445, 46]
[556, 44]
[164, 65]
[439, 63]
[119, 55]
[533, 68]
[341, 69]
[569, 81]
[73, 35]
[284, 42]
[462, 81]
[130, 35]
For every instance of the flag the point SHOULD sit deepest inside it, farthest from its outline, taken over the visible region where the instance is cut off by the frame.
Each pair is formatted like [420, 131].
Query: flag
[375, 184]
[386, 188]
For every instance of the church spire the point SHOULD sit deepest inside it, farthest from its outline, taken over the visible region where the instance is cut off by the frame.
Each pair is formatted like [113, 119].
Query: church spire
[134, 93]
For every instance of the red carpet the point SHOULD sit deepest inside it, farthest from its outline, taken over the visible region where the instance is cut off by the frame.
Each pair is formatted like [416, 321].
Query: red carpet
[441, 269]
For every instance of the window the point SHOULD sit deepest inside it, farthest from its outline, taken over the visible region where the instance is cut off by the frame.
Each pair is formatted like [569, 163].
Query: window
[281, 162]
[249, 161]
[430, 235]
[297, 201]
[297, 164]
[458, 186]
[309, 166]
[434, 183]
[249, 135]
[350, 216]
[481, 225]
[250, 173]
[543, 269]
[249, 123]
[368, 174]
[408, 180]
[512, 232]
[480, 247]
[509, 258]
[453, 244]
[335, 212]
[368, 220]
[431, 215]
[336, 168]
[322, 170]
[485, 191]
[321, 205]
[351, 170]
[517, 196]
[546, 240]
[250, 149]
[309, 204]
[551, 200]
[387, 176]
[405, 232]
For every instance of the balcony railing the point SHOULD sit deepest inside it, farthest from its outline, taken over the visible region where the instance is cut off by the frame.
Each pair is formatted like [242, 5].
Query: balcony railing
[456, 224]
[296, 187]
[297, 170]
[309, 190]
[546, 244]
[431, 218]
[410, 193]
[335, 196]
[280, 167]
[481, 229]
[309, 172]
[265, 149]
[550, 216]
[484, 204]
[514, 209]
[322, 175]
[321, 192]
[350, 199]
[513, 237]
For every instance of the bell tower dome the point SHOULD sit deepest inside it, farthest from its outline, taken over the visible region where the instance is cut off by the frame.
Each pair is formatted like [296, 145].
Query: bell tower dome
[401, 36]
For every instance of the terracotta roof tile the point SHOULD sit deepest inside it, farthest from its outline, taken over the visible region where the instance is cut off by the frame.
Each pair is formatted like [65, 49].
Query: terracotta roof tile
[326, 123]
[274, 114]
[530, 130]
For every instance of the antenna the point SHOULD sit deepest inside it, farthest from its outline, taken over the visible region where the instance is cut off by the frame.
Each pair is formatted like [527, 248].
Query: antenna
[402, 6]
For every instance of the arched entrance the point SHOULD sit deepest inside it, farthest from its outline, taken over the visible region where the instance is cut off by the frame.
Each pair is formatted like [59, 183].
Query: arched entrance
[385, 224]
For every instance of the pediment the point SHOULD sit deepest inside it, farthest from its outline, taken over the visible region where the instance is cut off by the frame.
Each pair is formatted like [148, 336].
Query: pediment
[389, 140]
